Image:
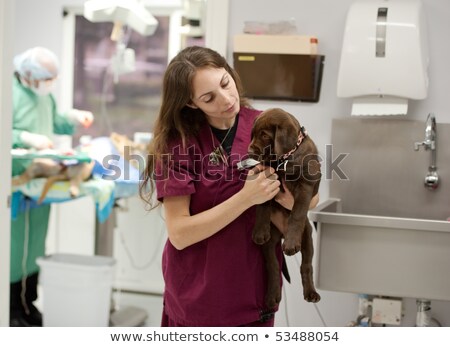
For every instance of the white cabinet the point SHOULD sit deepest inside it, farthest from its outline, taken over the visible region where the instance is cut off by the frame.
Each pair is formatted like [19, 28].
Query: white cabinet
[139, 239]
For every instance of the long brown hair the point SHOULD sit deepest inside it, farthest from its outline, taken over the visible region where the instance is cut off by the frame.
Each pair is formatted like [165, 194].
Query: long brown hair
[176, 119]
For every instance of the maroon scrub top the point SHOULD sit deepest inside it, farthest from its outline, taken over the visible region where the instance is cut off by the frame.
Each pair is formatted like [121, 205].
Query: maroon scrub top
[221, 280]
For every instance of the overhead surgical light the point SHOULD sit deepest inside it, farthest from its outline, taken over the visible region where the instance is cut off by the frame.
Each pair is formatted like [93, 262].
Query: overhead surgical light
[128, 12]
[131, 13]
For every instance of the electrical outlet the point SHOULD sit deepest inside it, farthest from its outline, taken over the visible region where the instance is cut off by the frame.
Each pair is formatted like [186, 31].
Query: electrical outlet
[386, 311]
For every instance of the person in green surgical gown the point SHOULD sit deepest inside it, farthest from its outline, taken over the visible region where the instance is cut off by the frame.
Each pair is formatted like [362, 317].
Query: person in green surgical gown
[35, 121]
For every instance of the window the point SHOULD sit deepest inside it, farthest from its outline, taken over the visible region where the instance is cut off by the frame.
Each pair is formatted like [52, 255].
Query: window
[132, 104]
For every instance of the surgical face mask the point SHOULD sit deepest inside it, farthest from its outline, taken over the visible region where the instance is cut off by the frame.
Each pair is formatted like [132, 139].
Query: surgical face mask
[43, 88]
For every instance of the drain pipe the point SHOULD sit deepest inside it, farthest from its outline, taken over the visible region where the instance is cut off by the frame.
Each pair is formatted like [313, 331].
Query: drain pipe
[423, 317]
[363, 319]
[364, 315]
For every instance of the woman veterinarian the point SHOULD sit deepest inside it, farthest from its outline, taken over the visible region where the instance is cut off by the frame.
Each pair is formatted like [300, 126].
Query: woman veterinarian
[35, 120]
[214, 274]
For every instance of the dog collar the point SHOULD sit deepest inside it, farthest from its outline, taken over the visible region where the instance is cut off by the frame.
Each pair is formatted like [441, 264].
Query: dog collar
[281, 163]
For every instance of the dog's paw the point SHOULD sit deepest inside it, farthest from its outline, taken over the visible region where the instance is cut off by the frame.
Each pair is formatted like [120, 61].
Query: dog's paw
[261, 238]
[290, 247]
[74, 191]
[273, 299]
[311, 296]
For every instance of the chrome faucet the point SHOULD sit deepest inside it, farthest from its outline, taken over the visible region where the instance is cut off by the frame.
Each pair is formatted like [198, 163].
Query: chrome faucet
[432, 178]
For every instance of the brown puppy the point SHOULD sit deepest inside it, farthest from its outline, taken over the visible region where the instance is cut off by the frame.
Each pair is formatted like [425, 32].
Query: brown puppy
[54, 172]
[279, 141]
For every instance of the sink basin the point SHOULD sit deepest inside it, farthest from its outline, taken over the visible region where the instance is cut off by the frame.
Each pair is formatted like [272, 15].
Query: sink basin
[402, 257]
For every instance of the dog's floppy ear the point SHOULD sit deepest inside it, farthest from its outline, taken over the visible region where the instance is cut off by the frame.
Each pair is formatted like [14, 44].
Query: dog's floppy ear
[285, 136]
[279, 139]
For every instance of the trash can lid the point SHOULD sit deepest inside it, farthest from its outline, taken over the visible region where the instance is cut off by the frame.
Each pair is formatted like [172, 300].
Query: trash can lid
[77, 259]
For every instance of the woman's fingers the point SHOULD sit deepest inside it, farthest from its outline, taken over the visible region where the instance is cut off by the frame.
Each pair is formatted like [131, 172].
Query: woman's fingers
[262, 184]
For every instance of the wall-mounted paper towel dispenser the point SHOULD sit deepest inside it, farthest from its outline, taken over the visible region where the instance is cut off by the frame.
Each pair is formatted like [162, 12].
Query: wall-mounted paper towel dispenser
[384, 58]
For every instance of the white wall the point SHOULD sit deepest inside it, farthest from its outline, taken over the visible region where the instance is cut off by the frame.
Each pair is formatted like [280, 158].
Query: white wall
[6, 24]
[40, 23]
[326, 20]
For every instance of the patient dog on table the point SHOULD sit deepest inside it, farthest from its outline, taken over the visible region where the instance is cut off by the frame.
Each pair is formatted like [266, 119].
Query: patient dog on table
[55, 171]
[278, 140]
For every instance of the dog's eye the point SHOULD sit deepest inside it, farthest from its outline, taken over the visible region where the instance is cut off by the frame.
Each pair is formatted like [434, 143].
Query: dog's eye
[265, 136]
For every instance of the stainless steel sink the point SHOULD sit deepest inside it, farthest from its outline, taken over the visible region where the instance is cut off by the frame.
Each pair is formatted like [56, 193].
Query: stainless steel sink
[402, 257]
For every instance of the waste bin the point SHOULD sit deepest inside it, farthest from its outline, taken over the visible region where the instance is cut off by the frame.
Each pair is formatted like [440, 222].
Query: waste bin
[76, 290]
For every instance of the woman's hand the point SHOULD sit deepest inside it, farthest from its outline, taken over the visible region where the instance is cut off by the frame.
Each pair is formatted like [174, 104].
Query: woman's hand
[37, 141]
[286, 199]
[261, 185]
[314, 201]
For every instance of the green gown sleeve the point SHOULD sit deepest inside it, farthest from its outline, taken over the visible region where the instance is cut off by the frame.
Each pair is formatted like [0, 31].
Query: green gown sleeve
[61, 124]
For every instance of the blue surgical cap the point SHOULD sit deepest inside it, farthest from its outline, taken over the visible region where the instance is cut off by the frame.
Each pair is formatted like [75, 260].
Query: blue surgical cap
[37, 63]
